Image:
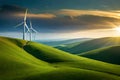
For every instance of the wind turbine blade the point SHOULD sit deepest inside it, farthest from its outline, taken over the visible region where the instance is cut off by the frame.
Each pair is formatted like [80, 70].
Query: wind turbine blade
[27, 27]
[30, 24]
[19, 24]
[34, 30]
[25, 17]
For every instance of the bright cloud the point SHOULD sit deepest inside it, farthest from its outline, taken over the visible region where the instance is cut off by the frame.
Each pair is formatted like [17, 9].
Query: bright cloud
[75, 13]
[44, 15]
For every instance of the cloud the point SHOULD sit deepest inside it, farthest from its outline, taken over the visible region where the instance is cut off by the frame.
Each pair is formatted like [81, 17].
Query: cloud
[80, 23]
[75, 13]
[11, 9]
[44, 15]
[67, 20]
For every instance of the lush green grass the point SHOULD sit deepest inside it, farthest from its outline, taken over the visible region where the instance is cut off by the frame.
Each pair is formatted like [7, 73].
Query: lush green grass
[55, 56]
[15, 62]
[91, 45]
[108, 54]
[22, 60]
[73, 74]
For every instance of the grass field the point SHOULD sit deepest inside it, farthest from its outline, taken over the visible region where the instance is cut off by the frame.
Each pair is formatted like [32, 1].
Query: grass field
[77, 48]
[23, 60]
[108, 54]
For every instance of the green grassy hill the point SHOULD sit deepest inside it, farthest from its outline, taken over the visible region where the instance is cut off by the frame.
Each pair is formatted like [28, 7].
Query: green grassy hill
[15, 62]
[22, 60]
[61, 42]
[91, 45]
[108, 54]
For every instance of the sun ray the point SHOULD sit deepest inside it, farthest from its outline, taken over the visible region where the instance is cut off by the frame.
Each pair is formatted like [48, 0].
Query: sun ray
[117, 29]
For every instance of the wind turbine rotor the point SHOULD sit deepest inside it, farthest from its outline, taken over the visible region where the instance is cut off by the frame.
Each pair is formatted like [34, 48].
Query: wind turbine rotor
[25, 17]
[30, 24]
[27, 27]
[34, 30]
[20, 24]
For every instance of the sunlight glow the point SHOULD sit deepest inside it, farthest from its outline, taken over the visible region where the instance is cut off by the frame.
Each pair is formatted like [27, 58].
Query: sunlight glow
[117, 29]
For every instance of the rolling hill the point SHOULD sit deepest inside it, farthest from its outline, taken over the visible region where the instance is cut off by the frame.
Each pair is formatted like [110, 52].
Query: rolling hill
[24, 60]
[108, 54]
[91, 45]
[15, 62]
[62, 42]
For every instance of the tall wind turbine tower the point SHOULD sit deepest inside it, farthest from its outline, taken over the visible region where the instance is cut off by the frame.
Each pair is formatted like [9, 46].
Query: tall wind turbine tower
[32, 30]
[25, 26]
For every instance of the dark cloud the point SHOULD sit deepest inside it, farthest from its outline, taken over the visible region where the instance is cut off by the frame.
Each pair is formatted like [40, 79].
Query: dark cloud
[11, 9]
[83, 22]
[63, 24]
[54, 22]
[69, 4]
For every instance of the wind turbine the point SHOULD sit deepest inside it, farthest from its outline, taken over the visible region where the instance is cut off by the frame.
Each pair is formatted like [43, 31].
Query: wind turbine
[31, 31]
[25, 26]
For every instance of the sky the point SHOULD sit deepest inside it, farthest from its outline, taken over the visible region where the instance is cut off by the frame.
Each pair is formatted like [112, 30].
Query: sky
[58, 19]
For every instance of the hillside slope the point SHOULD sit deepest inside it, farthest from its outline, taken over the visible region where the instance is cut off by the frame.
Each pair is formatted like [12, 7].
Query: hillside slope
[108, 54]
[62, 42]
[61, 58]
[22, 60]
[91, 45]
[15, 62]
